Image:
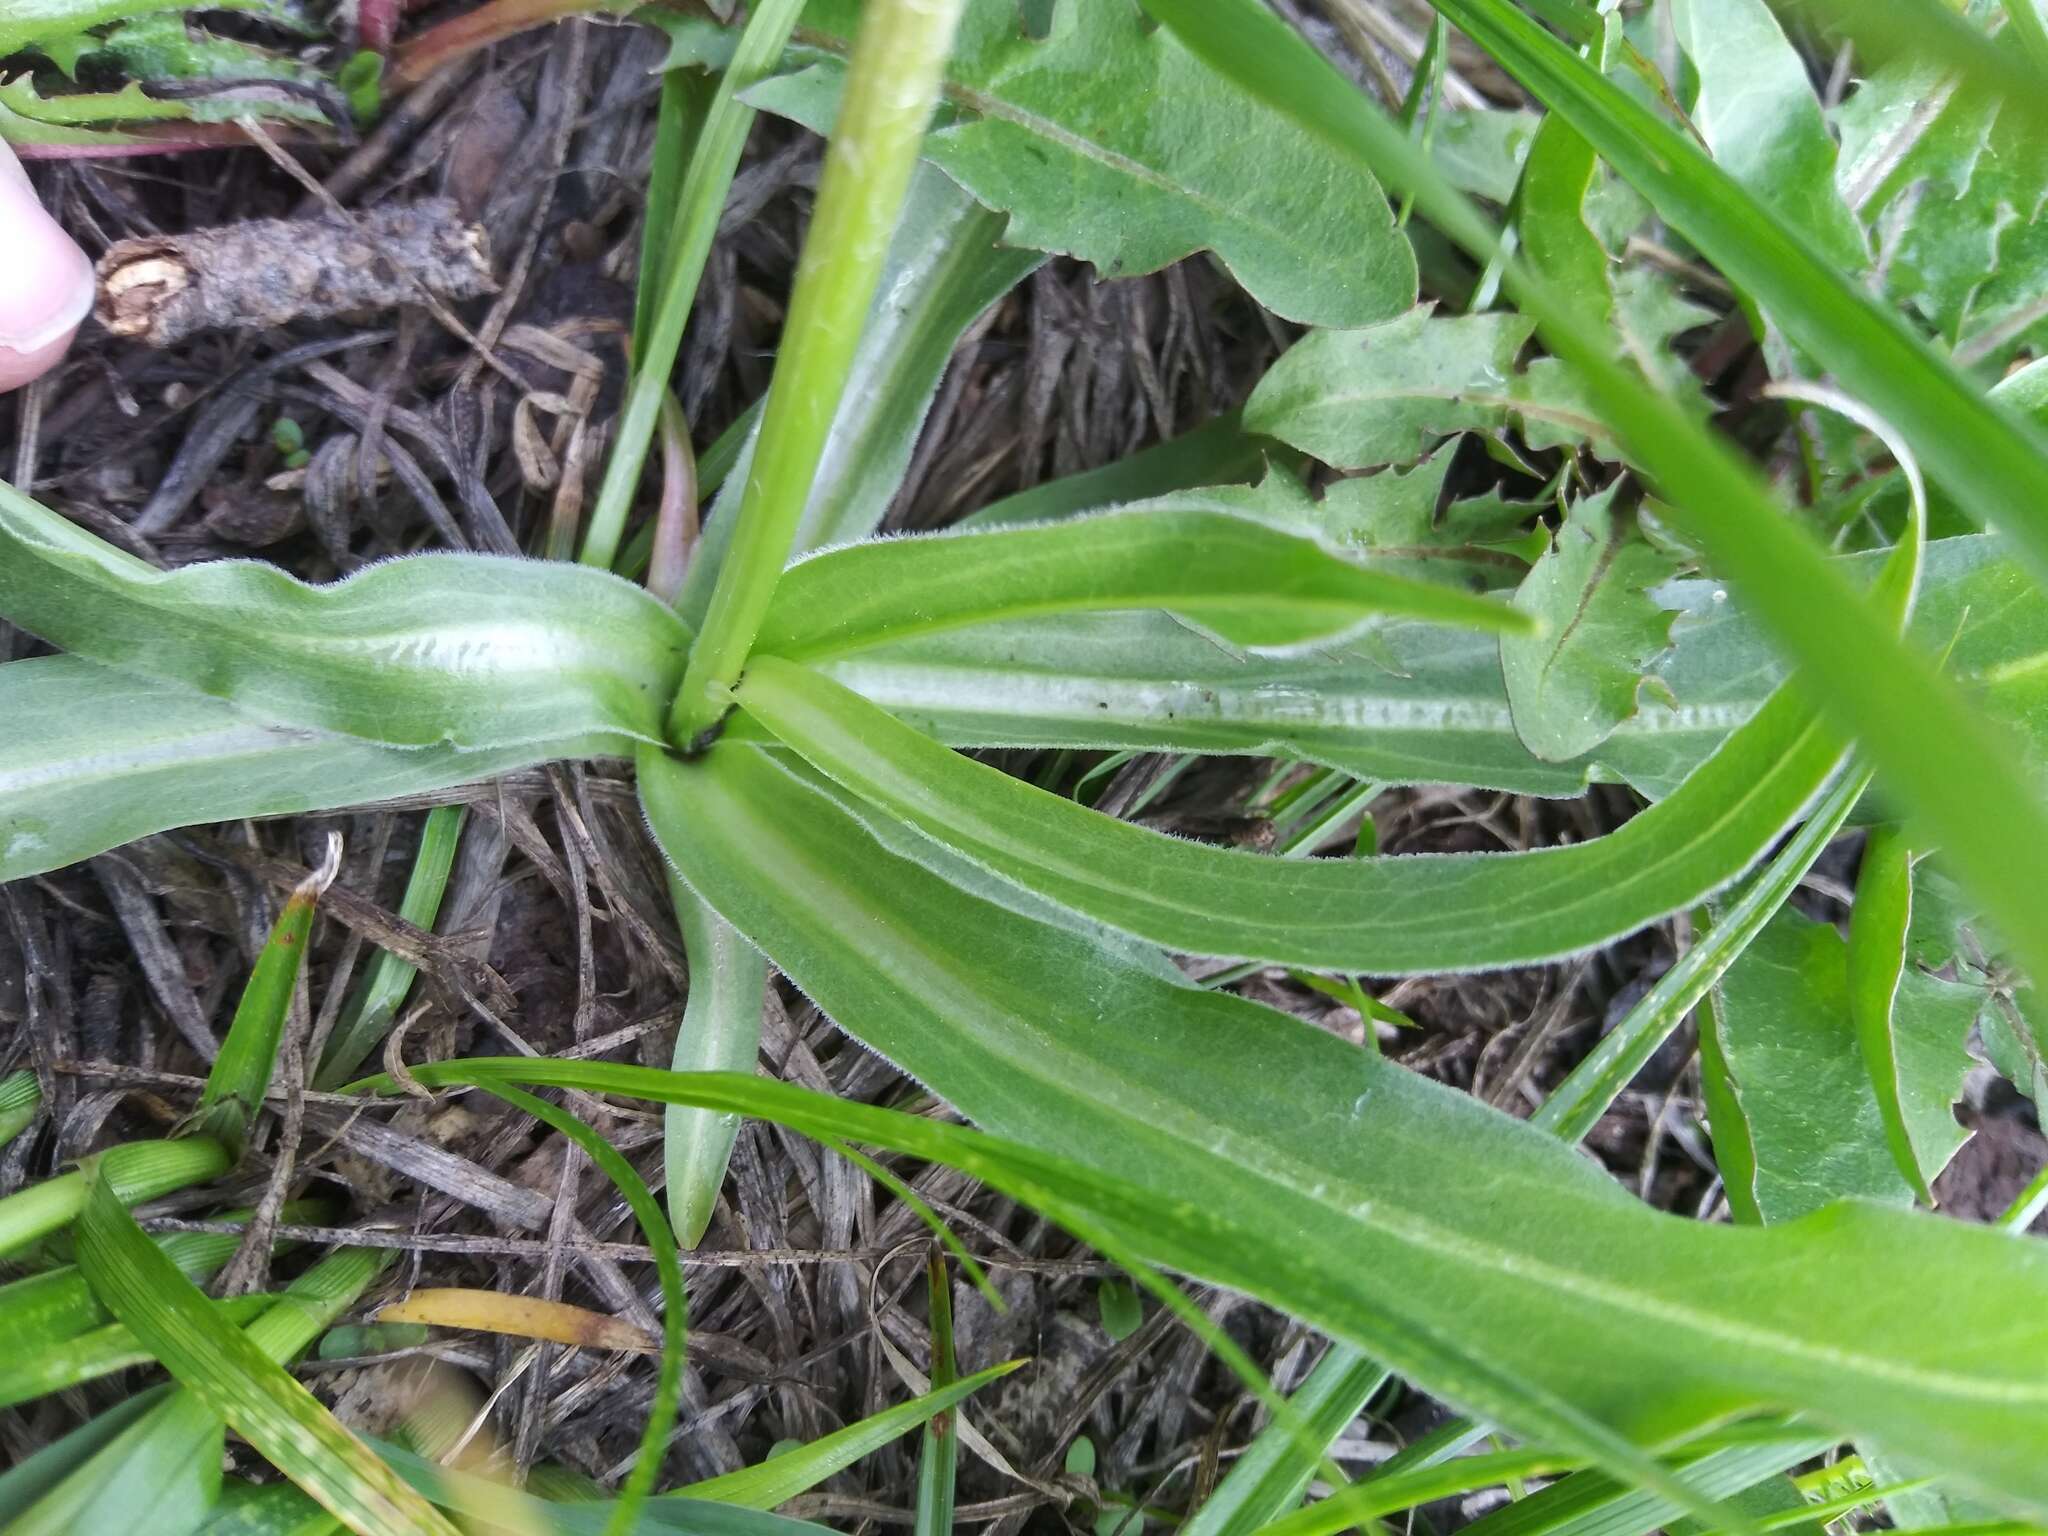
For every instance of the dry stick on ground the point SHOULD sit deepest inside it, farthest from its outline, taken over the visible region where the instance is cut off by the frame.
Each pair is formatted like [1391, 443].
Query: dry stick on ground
[266, 273]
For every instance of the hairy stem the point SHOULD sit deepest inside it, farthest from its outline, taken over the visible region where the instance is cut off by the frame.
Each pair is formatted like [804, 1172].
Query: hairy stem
[891, 87]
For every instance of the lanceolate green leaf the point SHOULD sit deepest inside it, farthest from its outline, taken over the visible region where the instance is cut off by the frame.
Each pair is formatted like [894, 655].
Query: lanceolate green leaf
[1379, 916]
[1538, 1262]
[1045, 131]
[1875, 964]
[1758, 113]
[93, 758]
[720, 1032]
[238, 1380]
[1246, 583]
[469, 651]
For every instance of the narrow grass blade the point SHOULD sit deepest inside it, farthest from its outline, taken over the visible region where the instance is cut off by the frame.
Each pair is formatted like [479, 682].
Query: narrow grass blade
[1591, 1087]
[20, 1098]
[783, 1477]
[48, 1308]
[1878, 925]
[684, 244]
[163, 1473]
[387, 980]
[28, 1480]
[891, 87]
[1377, 916]
[239, 1380]
[1271, 1474]
[668, 1384]
[1249, 584]
[136, 1171]
[1591, 1503]
[241, 1073]
[486, 1500]
[99, 1352]
[721, 1032]
[938, 1453]
[1219, 452]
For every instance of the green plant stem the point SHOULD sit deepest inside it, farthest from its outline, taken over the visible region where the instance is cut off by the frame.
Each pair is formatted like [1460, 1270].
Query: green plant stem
[248, 1056]
[388, 979]
[688, 244]
[141, 1170]
[939, 1455]
[2031, 1202]
[20, 1097]
[2025, 16]
[891, 87]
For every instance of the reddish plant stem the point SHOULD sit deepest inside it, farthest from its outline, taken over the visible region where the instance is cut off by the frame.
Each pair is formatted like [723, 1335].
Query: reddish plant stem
[675, 521]
[459, 36]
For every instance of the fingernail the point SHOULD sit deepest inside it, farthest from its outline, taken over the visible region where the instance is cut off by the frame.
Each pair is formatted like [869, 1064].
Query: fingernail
[48, 286]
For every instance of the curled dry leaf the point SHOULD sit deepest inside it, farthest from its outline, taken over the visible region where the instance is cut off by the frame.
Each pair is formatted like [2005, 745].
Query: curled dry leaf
[265, 273]
[526, 1317]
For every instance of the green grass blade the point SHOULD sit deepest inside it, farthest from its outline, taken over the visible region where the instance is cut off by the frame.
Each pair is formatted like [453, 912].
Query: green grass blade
[938, 1452]
[783, 1477]
[1271, 1474]
[1878, 925]
[1219, 452]
[387, 980]
[1251, 585]
[684, 246]
[1591, 1503]
[944, 269]
[668, 1387]
[721, 1032]
[162, 1472]
[1418, 704]
[241, 1073]
[1596, 1082]
[1954, 772]
[48, 1308]
[891, 87]
[28, 1480]
[136, 1171]
[235, 1374]
[487, 1500]
[1376, 916]
[20, 1097]
[97, 1353]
